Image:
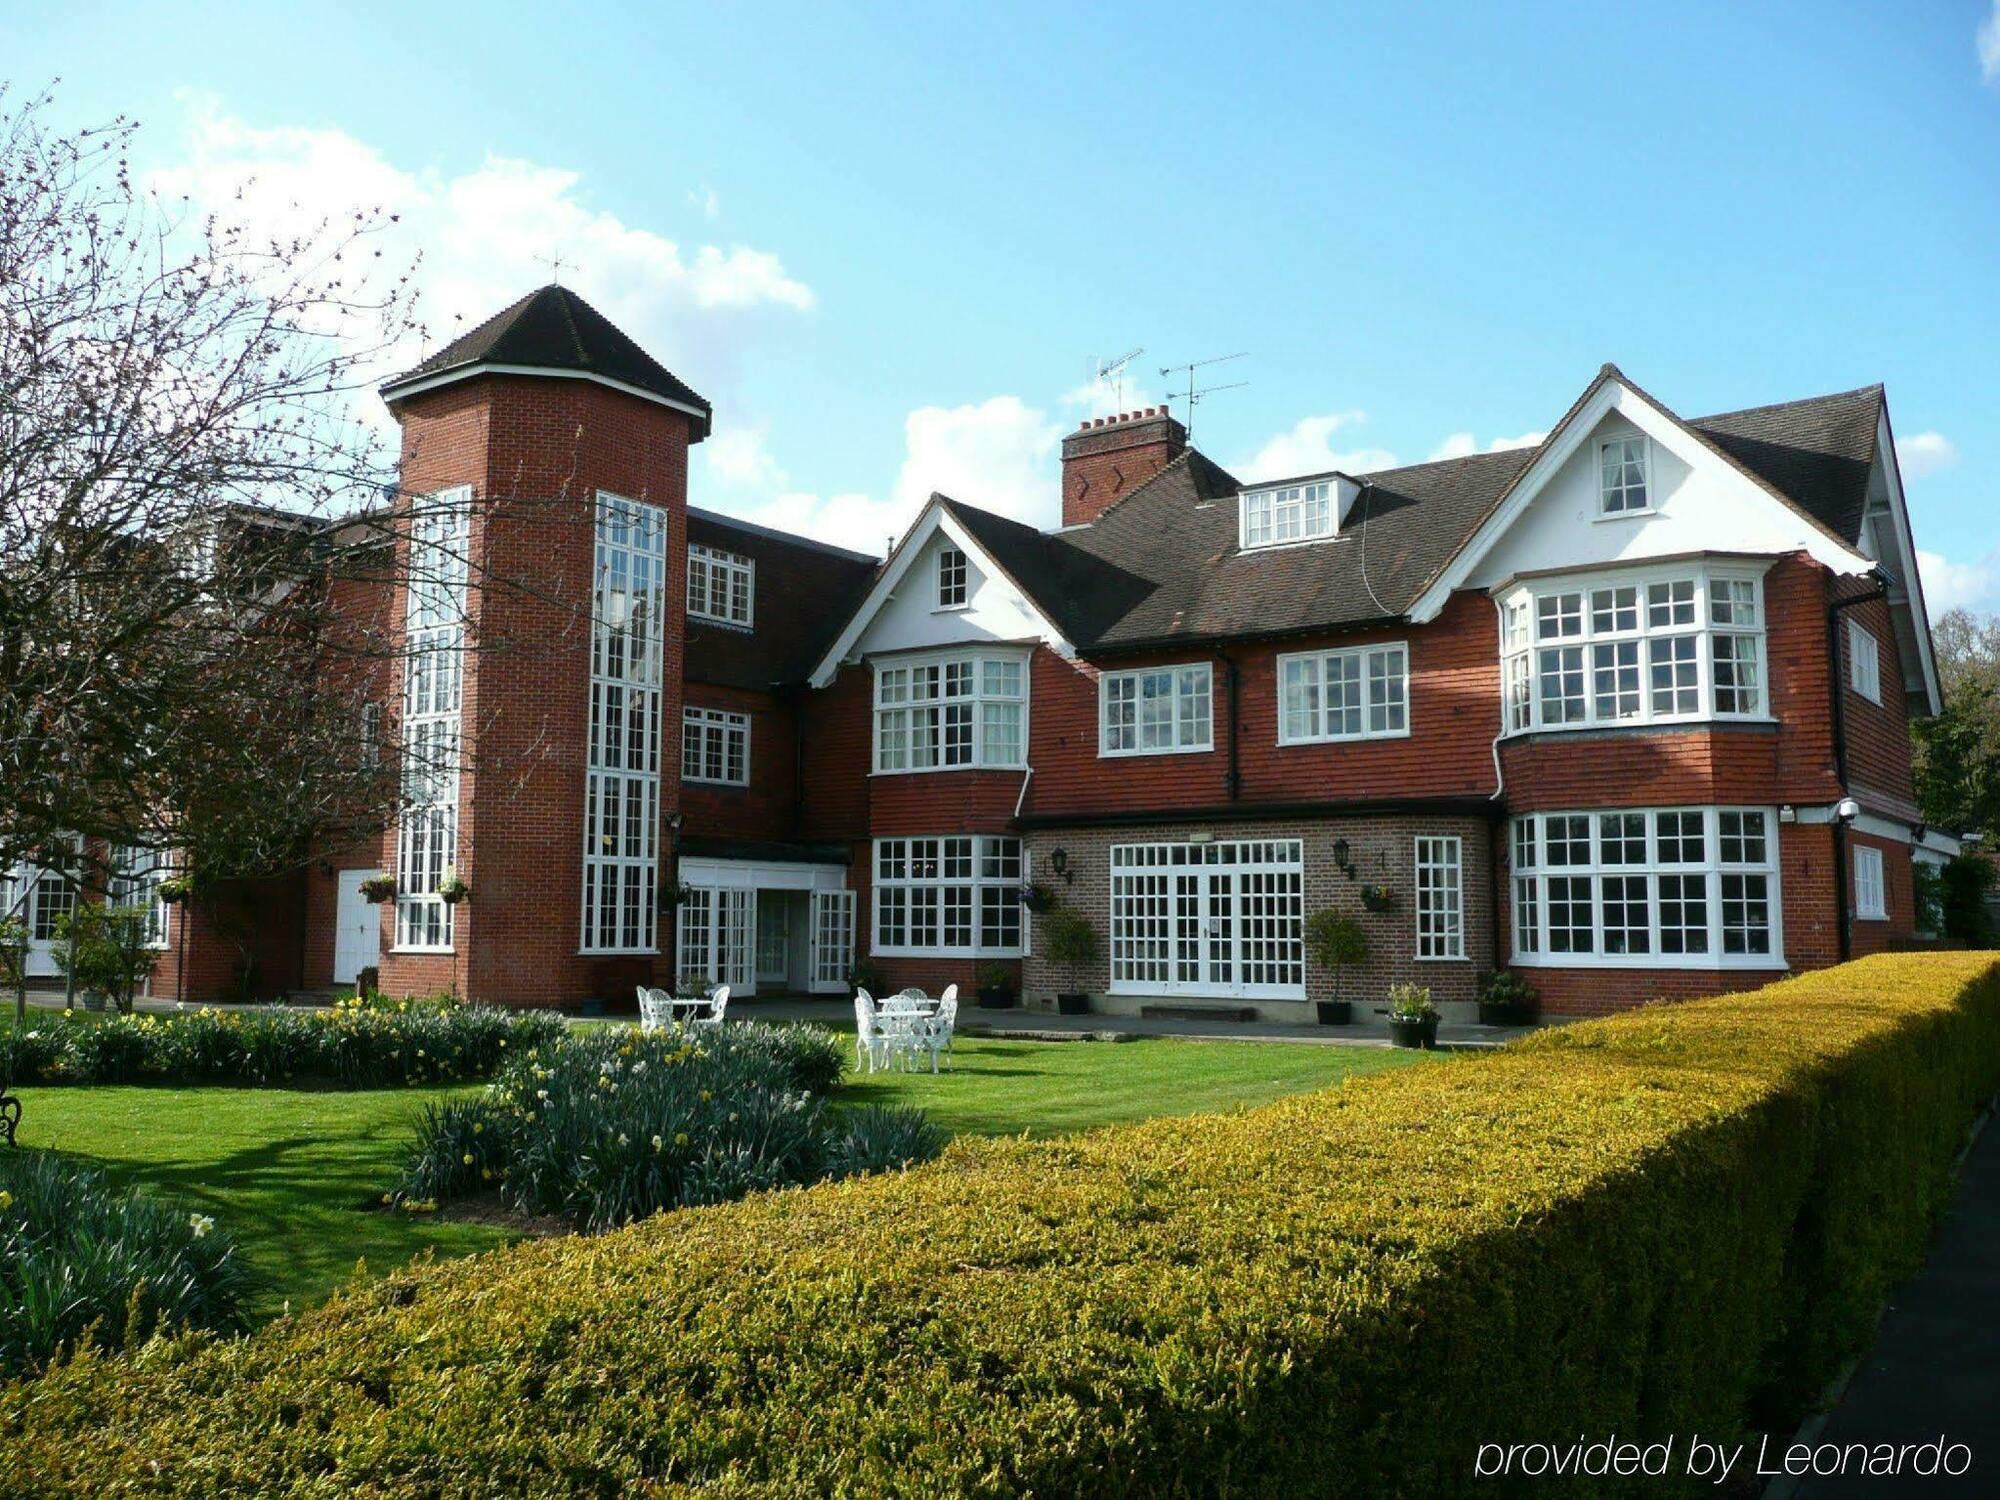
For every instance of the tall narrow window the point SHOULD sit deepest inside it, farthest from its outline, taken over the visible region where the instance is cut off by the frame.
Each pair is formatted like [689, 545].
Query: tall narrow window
[433, 687]
[721, 585]
[1622, 470]
[1864, 663]
[1870, 894]
[1440, 898]
[371, 735]
[950, 578]
[622, 783]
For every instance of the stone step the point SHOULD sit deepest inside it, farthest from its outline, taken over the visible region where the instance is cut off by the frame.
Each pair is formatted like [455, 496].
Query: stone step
[1198, 1012]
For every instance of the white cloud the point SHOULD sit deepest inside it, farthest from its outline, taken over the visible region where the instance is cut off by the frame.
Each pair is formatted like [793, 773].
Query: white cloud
[1464, 444]
[999, 455]
[485, 236]
[1987, 40]
[1308, 449]
[705, 199]
[1925, 452]
[738, 458]
[1949, 585]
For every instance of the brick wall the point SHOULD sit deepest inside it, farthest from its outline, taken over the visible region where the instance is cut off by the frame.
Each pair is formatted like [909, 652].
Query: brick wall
[1879, 768]
[1383, 849]
[768, 807]
[1107, 458]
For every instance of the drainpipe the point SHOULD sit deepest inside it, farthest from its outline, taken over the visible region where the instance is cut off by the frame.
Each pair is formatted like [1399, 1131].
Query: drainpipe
[1232, 677]
[1837, 695]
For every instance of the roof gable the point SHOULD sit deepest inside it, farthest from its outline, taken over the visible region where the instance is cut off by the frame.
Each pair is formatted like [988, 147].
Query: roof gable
[553, 331]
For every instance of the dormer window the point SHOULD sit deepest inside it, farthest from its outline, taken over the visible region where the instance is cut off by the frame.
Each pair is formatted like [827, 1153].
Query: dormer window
[1288, 513]
[950, 578]
[1622, 467]
[721, 586]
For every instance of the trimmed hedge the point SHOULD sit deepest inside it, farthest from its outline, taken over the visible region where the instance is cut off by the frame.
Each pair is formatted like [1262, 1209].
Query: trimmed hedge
[1674, 1220]
[355, 1045]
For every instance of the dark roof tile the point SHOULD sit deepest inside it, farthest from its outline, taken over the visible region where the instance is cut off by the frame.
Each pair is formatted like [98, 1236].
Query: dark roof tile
[805, 593]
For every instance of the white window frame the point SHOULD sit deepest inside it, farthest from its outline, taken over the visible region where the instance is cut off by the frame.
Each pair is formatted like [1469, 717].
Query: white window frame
[951, 571]
[622, 780]
[937, 881]
[1864, 661]
[1664, 856]
[136, 883]
[706, 727]
[433, 703]
[710, 569]
[1287, 515]
[1374, 694]
[1871, 890]
[371, 735]
[1190, 693]
[1440, 890]
[1607, 633]
[1221, 920]
[1605, 489]
[903, 711]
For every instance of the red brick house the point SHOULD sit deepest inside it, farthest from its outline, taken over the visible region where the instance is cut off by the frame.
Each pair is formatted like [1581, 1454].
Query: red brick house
[1626, 711]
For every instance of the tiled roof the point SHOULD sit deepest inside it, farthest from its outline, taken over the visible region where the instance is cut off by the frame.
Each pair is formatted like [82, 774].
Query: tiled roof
[554, 329]
[805, 592]
[1163, 564]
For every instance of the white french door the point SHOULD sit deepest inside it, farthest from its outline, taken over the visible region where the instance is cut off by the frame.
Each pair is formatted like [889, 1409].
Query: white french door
[832, 941]
[716, 923]
[37, 899]
[1214, 919]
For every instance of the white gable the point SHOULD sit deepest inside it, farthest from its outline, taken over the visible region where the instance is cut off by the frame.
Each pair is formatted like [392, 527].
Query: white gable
[903, 613]
[1700, 502]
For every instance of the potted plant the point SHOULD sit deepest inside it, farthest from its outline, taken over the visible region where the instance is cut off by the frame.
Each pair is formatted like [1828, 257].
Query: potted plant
[378, 888]
[1038, 898]
[1335, 941]
[1378, 898]
[1070, 940]
[1508, 1000]
[996, 987]
[104, 953]
[452, 889]
[1413, 1020]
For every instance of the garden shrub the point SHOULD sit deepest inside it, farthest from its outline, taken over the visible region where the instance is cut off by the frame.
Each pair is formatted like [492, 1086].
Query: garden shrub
[1674, 1220]
[80, 1261]
[353, 1045]
[601, 1128]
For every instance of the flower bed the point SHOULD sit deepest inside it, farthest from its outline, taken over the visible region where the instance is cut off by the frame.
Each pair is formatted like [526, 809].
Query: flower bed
[1678, 1219]
[80, 1263]
[354, 1045]
[602, 1128]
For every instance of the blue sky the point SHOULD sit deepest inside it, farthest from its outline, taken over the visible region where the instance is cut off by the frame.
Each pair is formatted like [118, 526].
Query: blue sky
[888, 244]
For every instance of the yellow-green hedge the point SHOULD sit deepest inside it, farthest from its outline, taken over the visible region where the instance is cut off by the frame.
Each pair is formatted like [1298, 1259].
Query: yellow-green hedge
[1674, 1220]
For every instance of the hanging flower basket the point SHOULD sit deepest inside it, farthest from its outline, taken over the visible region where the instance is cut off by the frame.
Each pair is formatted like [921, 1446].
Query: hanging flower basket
[378, 888]
[452, 890]
[1038, 898]
[174, 890]
[1378, 898]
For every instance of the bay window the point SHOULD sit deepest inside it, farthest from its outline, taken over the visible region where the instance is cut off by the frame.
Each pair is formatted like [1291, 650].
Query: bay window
[948, 897]
[1155, 710]
[1684, 887]
[1356, 693]
[1665, 647]
[940, 713]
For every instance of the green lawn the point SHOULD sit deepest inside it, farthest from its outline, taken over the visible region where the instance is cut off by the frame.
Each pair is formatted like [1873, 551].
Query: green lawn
[296, 1174]
[997, 1087]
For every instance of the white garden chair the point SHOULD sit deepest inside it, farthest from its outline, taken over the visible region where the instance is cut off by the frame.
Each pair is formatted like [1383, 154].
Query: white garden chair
[656, 1009]
[717, 1004]
[932, 1034]
[869, 1038]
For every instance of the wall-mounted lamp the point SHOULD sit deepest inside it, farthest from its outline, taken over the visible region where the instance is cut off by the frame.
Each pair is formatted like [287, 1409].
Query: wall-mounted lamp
[1343, 857]
[1788, 813]
[1059, 862]
[1847, 810]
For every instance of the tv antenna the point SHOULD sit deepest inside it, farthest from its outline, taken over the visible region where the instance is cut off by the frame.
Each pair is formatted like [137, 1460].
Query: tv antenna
[1194, 395]
[1113, 370]
[555, 262]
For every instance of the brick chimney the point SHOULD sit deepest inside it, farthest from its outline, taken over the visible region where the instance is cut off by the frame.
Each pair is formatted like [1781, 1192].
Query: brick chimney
[1107, 458]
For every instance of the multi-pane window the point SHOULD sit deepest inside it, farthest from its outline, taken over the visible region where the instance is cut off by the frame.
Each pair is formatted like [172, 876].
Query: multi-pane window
[433, 686]
[1287, 513]
[1222, 919]
[950, 578]
[948, 896]
[715, 746]
[1359, 692]
[1440, 897]
[136, 883]
[622, 782]
[1581, 655]
[1676, 887]
[721, 585]
[1870, 894]
[371, 735]
[951, 711]
[1157, 709]
[1864, 663]
[1622, 472]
